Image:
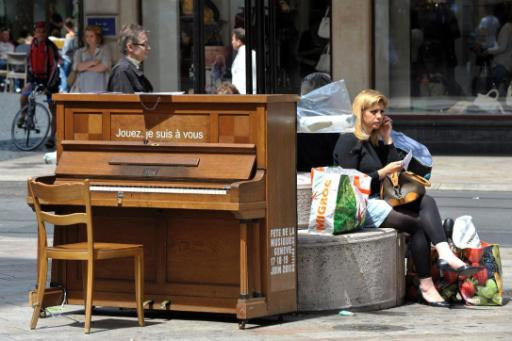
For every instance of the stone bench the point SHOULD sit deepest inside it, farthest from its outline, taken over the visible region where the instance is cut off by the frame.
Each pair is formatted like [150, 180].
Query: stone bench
[362, 270]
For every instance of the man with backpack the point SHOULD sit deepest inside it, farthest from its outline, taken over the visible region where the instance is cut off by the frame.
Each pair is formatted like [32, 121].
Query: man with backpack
[42, 68]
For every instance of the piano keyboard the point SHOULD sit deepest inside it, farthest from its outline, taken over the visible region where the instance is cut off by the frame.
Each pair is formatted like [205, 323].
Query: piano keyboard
[149, 189]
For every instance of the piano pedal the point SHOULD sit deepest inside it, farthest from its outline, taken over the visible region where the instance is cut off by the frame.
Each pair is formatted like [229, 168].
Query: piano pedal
[148, 304]
[165, 304]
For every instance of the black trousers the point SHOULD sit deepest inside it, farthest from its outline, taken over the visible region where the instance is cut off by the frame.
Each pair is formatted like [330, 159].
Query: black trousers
[422, 221]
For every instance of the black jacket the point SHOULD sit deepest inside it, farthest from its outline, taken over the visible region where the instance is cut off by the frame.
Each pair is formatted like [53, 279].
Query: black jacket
[350, 152]
[126, 78]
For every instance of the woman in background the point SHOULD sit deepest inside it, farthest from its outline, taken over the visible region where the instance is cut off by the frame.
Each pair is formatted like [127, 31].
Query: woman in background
[92, 63]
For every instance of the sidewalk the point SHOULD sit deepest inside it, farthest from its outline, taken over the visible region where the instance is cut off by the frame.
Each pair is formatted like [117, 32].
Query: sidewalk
[410, 321]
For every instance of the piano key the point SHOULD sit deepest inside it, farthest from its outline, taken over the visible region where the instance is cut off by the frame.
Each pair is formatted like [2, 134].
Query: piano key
[144, 189]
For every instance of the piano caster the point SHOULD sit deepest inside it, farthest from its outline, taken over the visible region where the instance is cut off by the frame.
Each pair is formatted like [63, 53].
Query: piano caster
[241, 324]
[280, 318]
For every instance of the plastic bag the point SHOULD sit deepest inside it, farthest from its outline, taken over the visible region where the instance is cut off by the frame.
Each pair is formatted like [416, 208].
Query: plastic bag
[421, 163]
[464, 233]
[327, 109]
[339, 199]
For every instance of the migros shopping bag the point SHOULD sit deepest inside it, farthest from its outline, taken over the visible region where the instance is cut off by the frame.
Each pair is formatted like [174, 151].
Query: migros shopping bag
[339, 199]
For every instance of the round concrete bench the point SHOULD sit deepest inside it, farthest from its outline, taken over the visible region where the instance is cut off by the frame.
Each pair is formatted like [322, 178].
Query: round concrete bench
[363, 270]
[360, 270]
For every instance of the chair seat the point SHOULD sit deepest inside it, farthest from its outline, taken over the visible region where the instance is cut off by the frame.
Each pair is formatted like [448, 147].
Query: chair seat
[19, 75]
[101, 250]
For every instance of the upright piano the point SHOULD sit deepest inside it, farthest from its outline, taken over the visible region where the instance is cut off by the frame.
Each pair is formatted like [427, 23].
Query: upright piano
[205, 182]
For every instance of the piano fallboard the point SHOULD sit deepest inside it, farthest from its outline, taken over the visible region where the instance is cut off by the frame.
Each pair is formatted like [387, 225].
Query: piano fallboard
[114, 160]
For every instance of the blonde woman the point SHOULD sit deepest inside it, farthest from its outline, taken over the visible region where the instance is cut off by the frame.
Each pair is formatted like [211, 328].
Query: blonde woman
[92, 63]
[370, 149]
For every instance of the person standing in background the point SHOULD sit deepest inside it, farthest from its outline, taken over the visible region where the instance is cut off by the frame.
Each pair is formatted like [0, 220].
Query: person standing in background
[56, 22]
[127, 75]
[92, 63]
[5, 46]
[70, 46]
[238, 66]
[502, 57]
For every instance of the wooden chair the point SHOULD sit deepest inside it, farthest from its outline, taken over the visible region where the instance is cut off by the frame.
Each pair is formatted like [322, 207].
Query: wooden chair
[88, 251]
[16, 68]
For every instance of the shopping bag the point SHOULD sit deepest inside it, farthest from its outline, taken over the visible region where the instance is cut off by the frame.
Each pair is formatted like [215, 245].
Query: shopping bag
[486, 286]
[339, 199]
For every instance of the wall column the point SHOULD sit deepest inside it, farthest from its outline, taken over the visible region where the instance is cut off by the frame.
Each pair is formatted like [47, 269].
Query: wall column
[352, 41]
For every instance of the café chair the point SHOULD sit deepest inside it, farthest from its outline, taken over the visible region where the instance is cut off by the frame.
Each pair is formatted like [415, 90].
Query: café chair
[88, 252]
[16, 69]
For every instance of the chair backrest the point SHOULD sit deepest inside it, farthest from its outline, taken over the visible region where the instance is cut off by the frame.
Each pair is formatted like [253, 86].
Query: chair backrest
[74, 194]
[17, 61]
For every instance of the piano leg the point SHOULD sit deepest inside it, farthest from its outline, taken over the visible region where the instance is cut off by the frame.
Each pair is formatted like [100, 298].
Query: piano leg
[256, 258]
[250, 306]
[244, 273]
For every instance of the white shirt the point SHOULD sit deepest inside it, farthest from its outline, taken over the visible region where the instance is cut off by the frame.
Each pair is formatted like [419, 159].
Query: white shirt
[238, 71]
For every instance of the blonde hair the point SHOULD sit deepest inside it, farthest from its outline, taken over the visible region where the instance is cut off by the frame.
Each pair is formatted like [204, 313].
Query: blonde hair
[363, 101]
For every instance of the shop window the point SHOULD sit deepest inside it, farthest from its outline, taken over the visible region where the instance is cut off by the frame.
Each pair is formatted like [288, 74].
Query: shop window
[291, 45]
[445, 56]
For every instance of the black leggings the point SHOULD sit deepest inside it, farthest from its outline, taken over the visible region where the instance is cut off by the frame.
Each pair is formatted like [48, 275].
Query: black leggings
[422, 221]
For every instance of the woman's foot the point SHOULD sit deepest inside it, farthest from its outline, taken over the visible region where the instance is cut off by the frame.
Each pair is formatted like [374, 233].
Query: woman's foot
[446, 254]
[463, 270]
[429, 294]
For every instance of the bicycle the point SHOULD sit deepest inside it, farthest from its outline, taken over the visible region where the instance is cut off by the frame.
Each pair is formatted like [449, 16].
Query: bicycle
[32, 123]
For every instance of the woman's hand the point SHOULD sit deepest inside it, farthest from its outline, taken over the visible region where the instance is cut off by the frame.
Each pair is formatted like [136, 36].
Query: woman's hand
[93, 63]
[385, 129]
[391, 167]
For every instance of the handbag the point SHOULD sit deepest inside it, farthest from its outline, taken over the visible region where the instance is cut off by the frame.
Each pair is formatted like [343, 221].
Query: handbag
[489, 102]
[402, 188]
[324, 62]
[324, 29]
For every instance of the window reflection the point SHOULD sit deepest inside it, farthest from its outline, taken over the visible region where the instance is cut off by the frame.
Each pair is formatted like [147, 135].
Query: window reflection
[450, 57]
[296, 51]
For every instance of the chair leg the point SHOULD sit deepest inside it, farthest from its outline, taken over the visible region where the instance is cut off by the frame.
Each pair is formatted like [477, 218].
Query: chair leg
[89, 294]
[41, 285]
[139, 286]
[83, 264]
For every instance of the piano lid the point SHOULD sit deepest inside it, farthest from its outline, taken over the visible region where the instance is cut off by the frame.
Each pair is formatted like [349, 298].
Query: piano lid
[162, 161]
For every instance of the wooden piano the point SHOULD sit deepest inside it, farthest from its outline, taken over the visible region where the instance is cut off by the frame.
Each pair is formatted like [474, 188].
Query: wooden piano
[205, 182]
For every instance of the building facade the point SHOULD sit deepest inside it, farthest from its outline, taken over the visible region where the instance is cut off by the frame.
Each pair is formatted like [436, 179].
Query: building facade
[443, 63]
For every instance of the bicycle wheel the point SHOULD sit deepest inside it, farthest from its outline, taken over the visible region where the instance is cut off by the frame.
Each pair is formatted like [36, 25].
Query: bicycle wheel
[34, 130]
